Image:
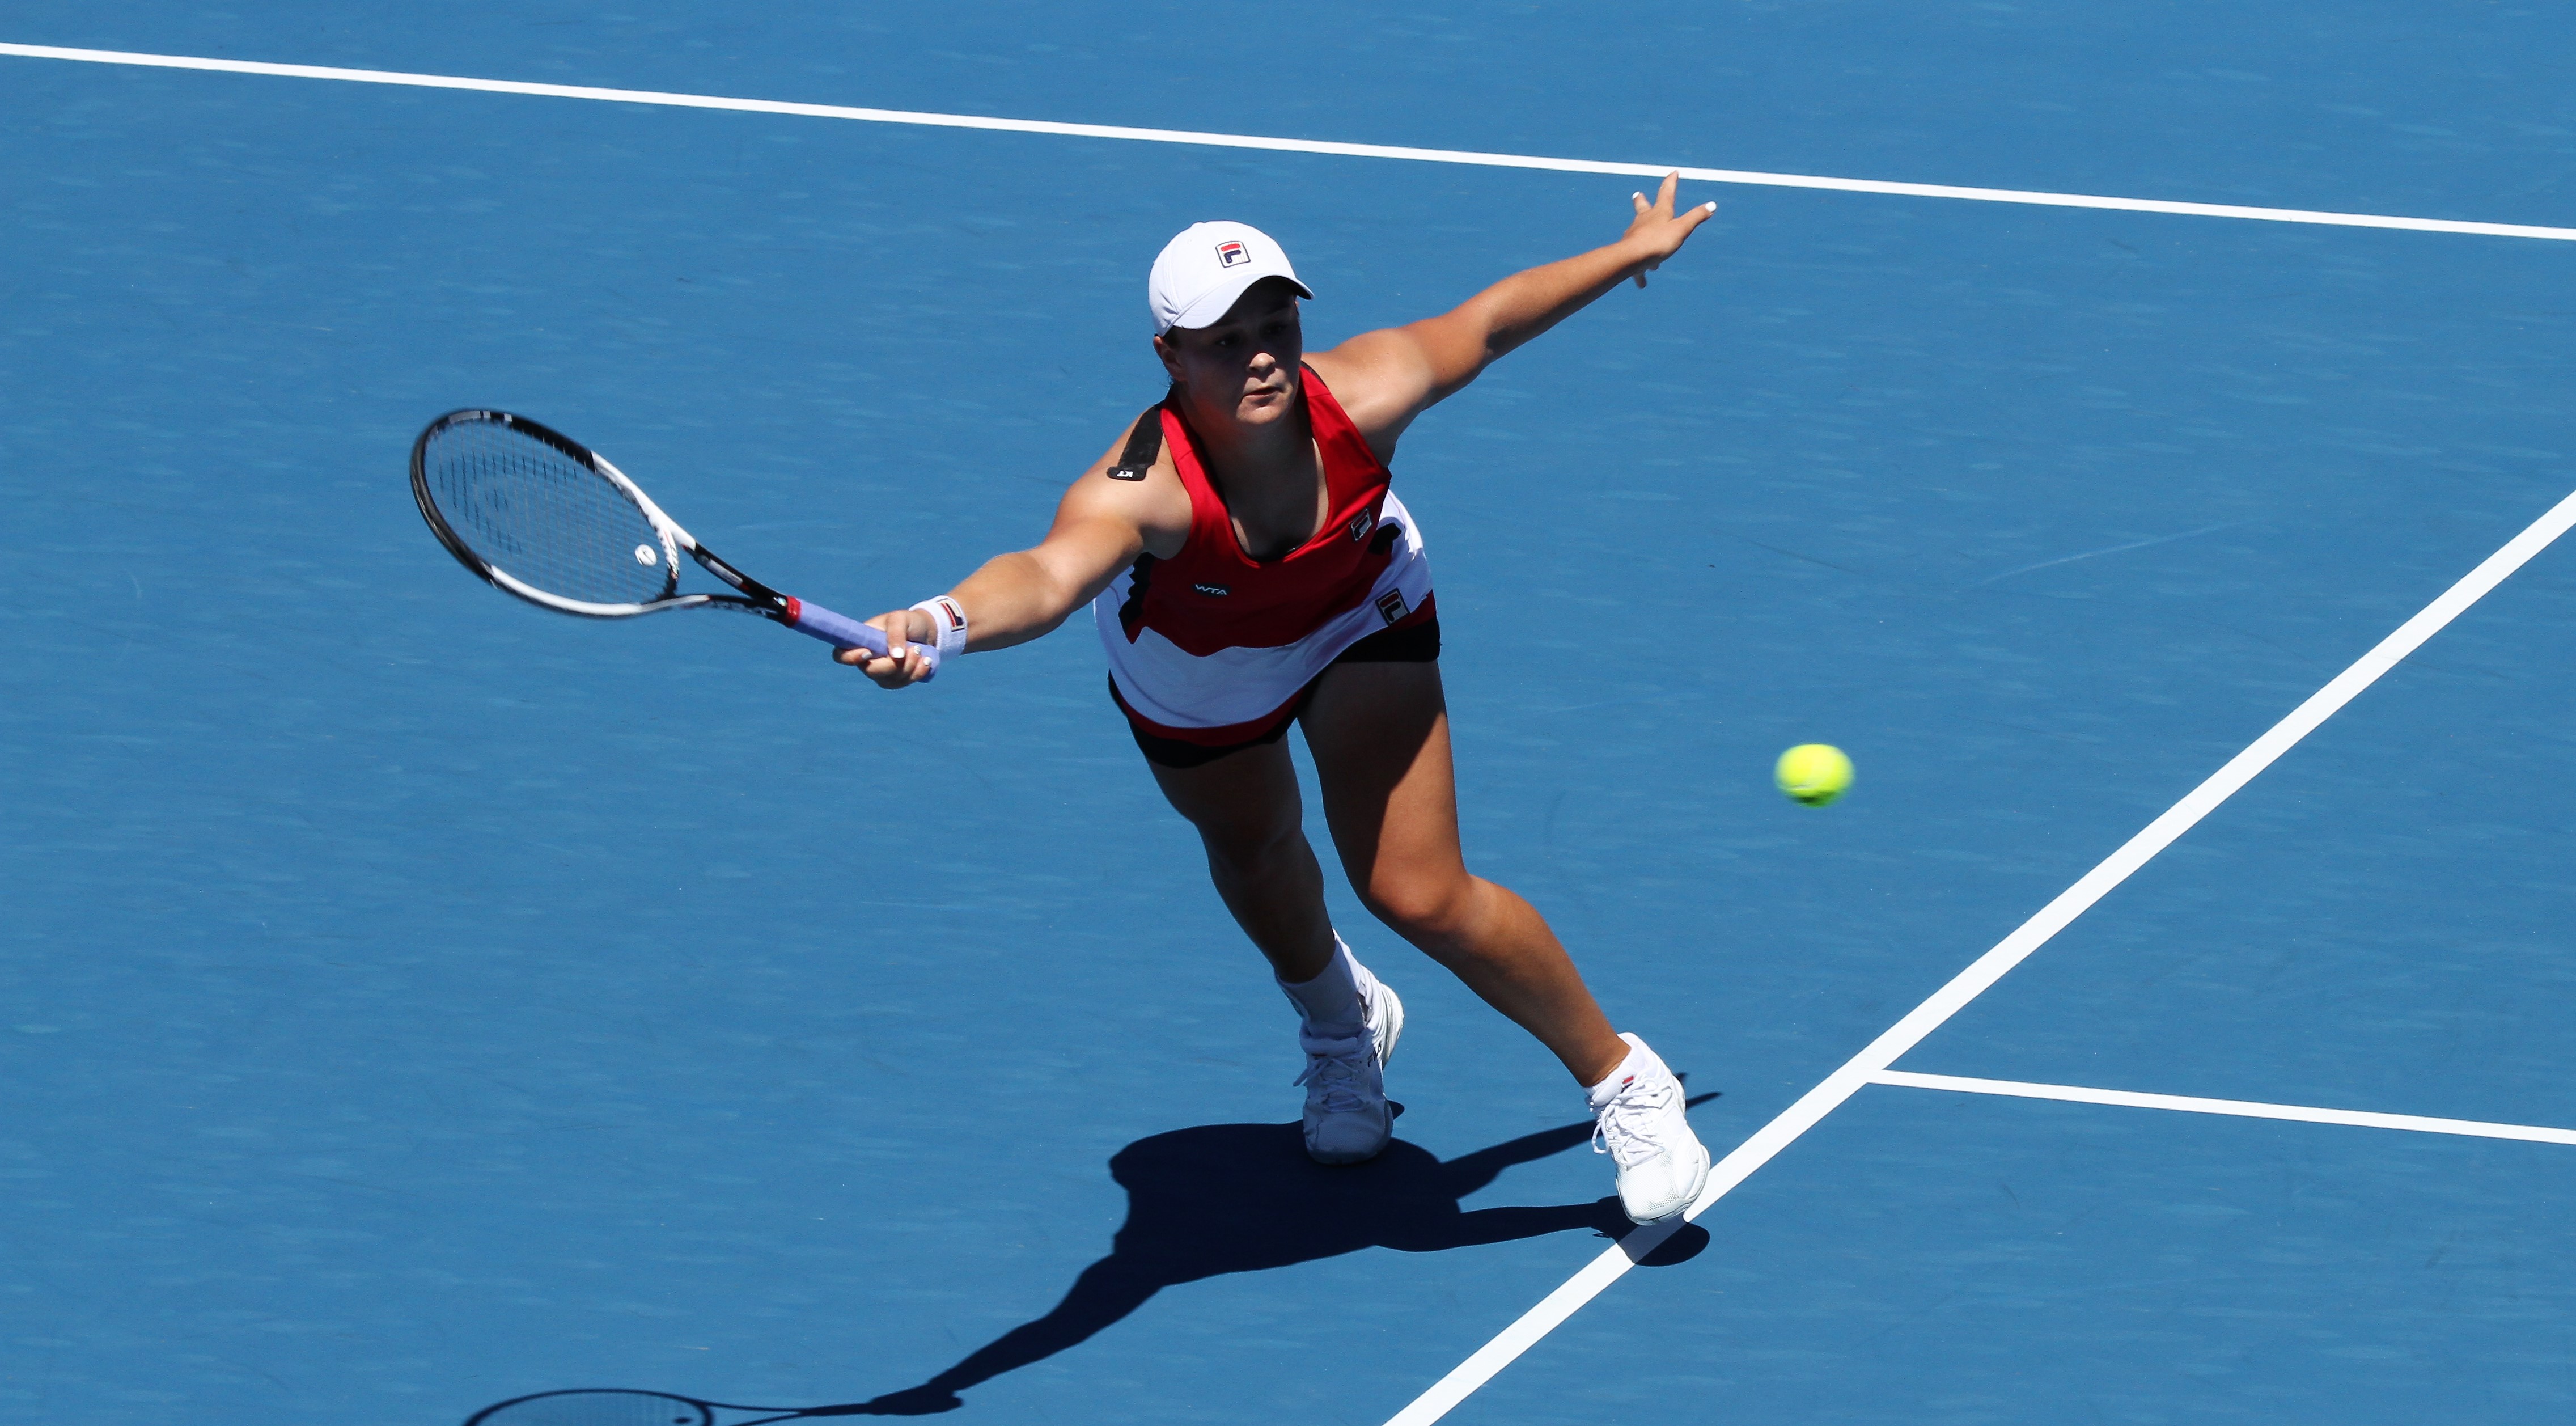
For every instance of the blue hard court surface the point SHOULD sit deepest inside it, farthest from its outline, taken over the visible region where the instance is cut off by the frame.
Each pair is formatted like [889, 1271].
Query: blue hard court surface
[417, 1000]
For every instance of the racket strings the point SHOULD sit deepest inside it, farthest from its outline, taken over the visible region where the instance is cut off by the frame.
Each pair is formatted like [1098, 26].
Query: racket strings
[544, 517]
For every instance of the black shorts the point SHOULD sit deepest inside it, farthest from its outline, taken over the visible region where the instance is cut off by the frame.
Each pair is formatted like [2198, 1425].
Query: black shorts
[1414, 643]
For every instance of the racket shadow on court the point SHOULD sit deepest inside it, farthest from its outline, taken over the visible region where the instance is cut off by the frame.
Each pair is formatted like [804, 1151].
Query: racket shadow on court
[1231, 1198]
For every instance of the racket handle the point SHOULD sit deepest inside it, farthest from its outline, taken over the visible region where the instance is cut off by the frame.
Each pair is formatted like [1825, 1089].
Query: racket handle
[844, 632]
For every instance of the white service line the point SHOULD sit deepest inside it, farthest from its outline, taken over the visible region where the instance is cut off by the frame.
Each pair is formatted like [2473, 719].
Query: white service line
[1279, 145]
[1871, 1063]
[2242, 1108]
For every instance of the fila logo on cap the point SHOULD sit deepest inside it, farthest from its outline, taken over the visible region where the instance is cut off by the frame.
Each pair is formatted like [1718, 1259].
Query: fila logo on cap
[1231, 255]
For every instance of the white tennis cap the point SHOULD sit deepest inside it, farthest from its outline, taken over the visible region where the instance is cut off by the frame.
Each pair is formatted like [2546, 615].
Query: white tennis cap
[1205, 270]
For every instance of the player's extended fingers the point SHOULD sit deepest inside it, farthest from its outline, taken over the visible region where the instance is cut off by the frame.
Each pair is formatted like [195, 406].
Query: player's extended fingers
[1639, 199]
[899, 670]
[1664, 195]
[903, 662]
[886, 670]
[902, 655]
[875, 665]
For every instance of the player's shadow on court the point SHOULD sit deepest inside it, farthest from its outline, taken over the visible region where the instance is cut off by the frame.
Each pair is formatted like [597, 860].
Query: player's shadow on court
[1233, 1198]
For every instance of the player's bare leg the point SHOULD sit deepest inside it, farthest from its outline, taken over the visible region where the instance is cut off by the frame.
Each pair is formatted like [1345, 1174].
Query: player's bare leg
[1380, 735]
[1250, 818]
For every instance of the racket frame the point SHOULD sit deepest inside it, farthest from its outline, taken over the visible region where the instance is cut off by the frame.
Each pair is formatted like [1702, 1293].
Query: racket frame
[754, 598]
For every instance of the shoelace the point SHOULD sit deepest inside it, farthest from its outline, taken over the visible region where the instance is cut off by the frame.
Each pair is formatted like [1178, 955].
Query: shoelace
[1336, 1064]
[1628, 1123]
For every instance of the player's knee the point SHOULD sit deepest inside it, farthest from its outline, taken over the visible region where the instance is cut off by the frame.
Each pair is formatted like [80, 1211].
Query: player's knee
[1248, 849]
[1428, 911]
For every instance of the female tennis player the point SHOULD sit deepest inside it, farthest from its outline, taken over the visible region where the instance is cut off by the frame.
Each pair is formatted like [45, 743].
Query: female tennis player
[1248, 568]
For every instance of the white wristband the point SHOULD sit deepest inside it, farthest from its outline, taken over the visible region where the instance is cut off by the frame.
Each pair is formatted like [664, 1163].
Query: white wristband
[949, 617]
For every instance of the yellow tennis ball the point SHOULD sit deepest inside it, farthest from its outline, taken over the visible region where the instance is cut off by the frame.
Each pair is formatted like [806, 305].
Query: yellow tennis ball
[1814, 773]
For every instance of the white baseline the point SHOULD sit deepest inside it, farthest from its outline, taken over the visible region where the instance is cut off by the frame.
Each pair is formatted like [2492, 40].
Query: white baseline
[1871, 1064]
[1280, 145]
[2241, 1108]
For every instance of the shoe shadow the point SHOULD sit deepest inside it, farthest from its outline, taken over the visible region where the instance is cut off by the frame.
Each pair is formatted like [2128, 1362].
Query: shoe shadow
[1233, 1198]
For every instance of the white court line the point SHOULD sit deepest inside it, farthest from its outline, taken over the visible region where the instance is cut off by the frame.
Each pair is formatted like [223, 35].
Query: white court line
[1279, 145]
[1872, 1063]
[2242, 1108]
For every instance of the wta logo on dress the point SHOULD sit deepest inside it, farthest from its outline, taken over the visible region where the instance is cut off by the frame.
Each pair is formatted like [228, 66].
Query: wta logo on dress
[1231, 255]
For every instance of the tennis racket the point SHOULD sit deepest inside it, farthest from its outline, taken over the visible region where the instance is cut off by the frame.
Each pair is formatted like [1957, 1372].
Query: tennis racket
[541, 516]
[632, 1408]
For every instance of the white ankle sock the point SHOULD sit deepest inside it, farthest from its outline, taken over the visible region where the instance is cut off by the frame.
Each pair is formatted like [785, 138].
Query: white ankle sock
[1332, 998]
[1640, 1060]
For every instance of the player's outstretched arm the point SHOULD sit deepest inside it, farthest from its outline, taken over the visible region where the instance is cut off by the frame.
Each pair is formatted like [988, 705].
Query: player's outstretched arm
[1100, 527]
[1386, 378]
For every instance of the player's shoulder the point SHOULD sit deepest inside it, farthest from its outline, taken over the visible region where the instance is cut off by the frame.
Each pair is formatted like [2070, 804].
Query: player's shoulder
[1126, 486]
[1360, 365]
[1378, 379]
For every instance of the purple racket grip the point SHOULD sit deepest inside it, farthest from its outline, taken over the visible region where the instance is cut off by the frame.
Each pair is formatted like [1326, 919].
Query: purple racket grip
[844, 632]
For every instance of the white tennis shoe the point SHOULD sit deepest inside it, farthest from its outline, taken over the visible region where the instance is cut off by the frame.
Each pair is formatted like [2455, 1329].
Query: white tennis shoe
[1644, 1127]
[1347, 1117]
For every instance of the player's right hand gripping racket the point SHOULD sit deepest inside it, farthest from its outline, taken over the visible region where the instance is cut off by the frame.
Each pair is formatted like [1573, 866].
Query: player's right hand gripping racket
[633, 1408]
[544, 517]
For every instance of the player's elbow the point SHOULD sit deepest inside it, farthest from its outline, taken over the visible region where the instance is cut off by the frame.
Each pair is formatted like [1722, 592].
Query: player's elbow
[1065, 587]
[1451, 351]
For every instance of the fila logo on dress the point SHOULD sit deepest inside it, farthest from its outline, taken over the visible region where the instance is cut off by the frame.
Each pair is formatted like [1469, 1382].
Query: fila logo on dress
[1231, 255]
[1361, 523]
[1390, 606]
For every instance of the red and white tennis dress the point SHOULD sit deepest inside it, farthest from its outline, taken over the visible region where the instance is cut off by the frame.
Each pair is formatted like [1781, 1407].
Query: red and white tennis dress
[1212, 647]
